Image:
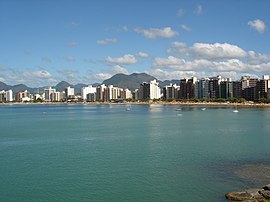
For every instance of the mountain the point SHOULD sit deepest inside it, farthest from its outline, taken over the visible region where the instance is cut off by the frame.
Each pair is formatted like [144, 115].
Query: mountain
[78, 87]
[168, 82]
[4, 86]
[131, 81]
[22, 87]
[61, 86]
[16, 88]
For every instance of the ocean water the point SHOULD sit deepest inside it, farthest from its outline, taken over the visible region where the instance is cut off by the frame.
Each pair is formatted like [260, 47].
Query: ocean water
[150, 153]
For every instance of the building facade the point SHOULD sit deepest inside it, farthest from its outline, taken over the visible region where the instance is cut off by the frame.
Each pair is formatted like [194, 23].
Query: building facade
[87, 90]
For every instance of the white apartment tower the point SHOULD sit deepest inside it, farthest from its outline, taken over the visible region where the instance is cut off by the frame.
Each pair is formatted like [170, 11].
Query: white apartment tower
[154, 90]
[70, 92]
[100, 92]
[9, 96]
[87, 90]
[149, 90]
[48, 94]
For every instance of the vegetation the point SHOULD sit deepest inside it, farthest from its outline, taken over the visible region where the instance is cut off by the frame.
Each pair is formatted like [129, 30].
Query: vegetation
[192, 100]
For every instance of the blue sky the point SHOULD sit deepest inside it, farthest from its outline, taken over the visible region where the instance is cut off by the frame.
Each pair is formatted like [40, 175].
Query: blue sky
[80, 41]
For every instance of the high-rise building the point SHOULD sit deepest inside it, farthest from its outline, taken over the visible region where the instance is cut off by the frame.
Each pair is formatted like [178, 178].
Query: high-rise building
[48, 93]
[248, 85]
[149, 90]
[183, 89]
[171, 91]
[2, 96]
[112, 93]
[91, 97]
[100, 92]
[70, 94]
[214, 87]
[226, 89]
[9, 96]
[187, 88]
[23, 96]
[56, 96]
[237, 89]
[86, 90]
[263, 87]
[202, 88]
[247, 81]
[191, 87]
[126, 94]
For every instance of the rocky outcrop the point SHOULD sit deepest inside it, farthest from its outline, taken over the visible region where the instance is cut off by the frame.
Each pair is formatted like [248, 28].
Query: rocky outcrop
[250, 195]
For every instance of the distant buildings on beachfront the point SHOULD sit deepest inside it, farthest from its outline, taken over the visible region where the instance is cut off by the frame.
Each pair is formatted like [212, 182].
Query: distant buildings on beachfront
[188, 88]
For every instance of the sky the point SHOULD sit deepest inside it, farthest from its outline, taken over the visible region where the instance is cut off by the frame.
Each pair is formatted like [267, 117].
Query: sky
[43, 42]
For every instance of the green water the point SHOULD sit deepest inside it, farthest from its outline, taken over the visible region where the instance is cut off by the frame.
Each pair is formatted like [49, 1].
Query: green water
[106, 153]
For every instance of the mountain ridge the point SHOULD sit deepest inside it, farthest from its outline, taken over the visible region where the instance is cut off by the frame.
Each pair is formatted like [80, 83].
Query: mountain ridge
[131, 82]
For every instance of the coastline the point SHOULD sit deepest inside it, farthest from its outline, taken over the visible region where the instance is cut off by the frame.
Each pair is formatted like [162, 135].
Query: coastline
[212, 104]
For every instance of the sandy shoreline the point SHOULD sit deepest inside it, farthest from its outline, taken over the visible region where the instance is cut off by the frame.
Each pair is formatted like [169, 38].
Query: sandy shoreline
[247, 104]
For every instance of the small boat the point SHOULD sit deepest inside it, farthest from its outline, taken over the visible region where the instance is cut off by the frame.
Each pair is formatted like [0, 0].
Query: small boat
[235, 110]
[178, 109]
[203, 109]
[128, 108]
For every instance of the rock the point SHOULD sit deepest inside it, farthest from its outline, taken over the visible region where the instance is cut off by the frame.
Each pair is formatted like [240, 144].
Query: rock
[255, 193]
[250, 195]
[266, 187]
[238, 196]
[265, 193]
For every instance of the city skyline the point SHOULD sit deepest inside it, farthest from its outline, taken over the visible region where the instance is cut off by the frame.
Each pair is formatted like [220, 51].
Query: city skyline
[88, 42]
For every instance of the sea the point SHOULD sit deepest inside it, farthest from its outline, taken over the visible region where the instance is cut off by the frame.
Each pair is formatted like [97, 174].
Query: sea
[131, 153]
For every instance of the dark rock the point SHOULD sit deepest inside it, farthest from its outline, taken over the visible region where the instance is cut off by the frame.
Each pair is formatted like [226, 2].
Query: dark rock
[265, 193]
[266, 187]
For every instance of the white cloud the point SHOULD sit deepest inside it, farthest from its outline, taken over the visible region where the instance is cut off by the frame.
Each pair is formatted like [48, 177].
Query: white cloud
[107, 41]
[169, 75]
[228, 66]
[162, 74]
[181, 12]
[143, 54]
[102, 76]
[217, 51]
[199, 10]
[42, 74]
[119, 69]
[69, 75]
[34, 78]
[258, 58]
[178, 44]
[258, 25]
[185, 27]
[153, 33]
[214, 51]
[170, 62]
[126, 59]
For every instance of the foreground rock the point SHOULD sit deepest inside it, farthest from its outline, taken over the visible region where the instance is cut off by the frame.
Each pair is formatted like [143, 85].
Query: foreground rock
[250, 195]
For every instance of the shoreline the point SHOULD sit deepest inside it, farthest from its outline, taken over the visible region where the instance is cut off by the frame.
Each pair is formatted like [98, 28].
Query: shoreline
[212, 104]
